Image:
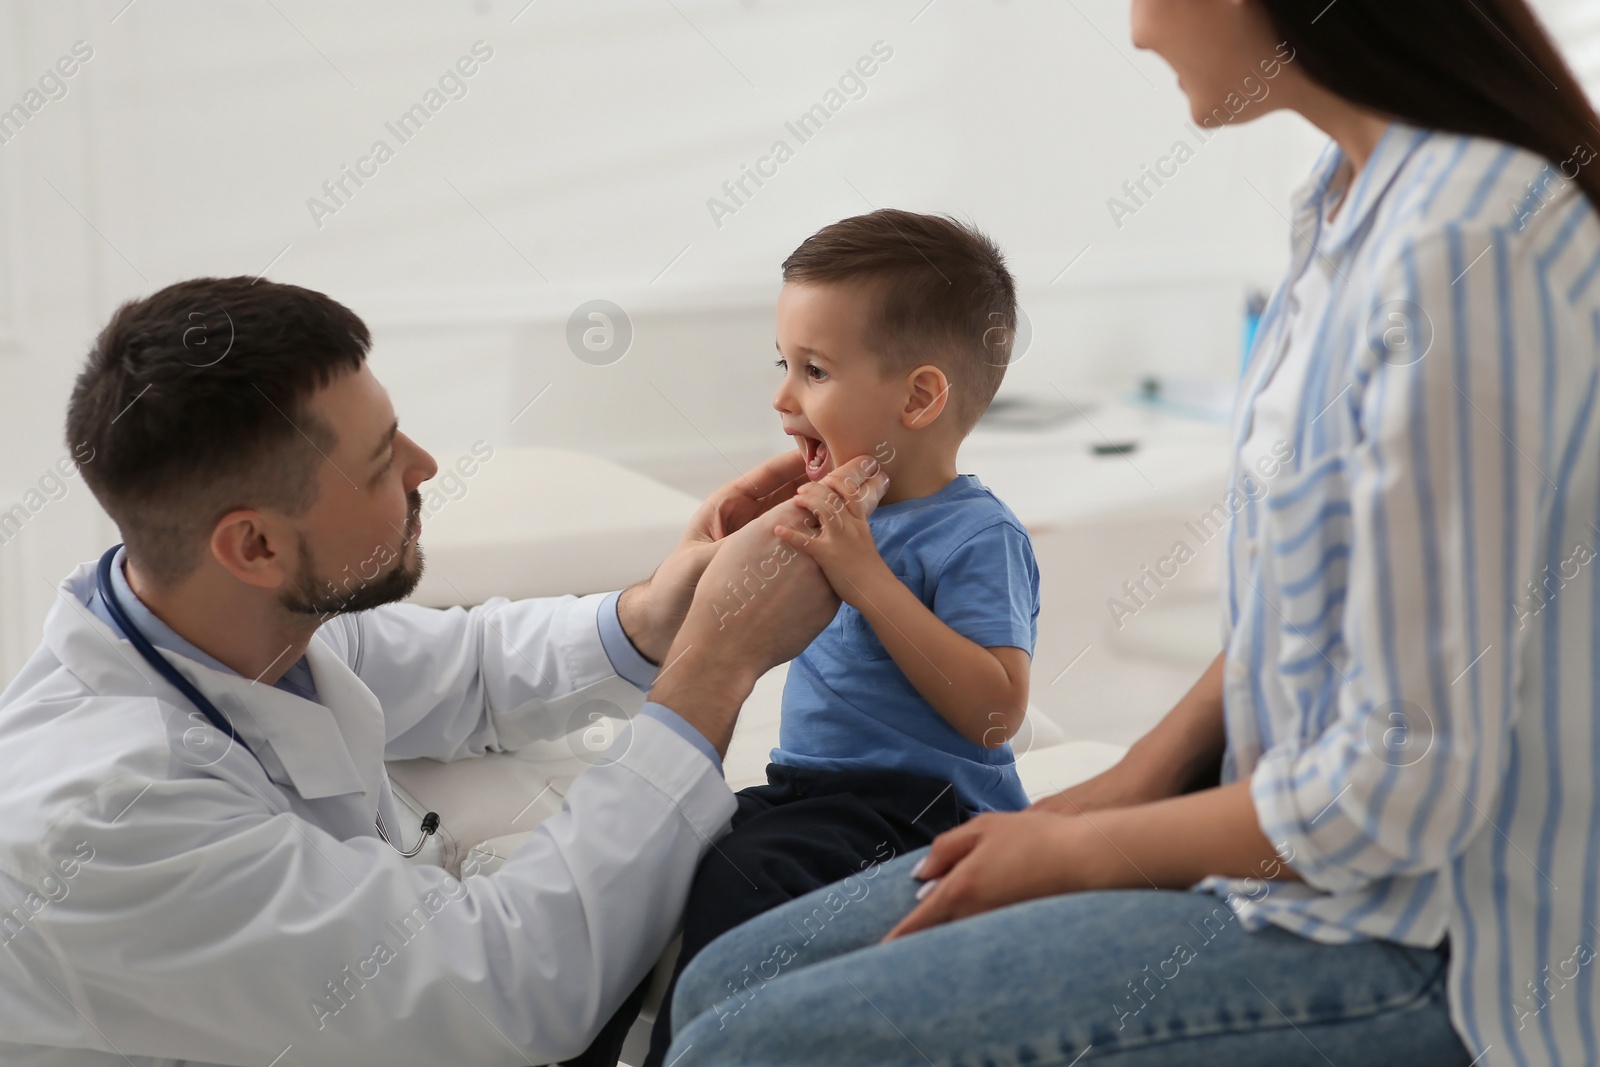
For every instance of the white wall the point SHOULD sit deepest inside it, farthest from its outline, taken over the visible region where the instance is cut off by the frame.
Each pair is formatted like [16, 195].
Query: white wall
[577, 166]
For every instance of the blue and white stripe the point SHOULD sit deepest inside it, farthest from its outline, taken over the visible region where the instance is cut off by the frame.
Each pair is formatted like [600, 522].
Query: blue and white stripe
[1412, 618]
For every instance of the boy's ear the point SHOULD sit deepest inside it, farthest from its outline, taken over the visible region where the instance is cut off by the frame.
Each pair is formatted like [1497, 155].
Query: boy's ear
[927, 393]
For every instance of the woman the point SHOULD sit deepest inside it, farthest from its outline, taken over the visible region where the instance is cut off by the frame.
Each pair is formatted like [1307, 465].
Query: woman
[1399, 862]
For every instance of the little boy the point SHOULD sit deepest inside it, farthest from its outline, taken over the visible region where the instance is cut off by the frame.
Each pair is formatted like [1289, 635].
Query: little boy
[894, 330]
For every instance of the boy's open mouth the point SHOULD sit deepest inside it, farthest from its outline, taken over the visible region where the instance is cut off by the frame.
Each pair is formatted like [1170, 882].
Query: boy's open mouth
[816, 453]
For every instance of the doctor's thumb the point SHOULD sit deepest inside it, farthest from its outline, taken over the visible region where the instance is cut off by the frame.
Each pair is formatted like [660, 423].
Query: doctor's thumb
[868, 482]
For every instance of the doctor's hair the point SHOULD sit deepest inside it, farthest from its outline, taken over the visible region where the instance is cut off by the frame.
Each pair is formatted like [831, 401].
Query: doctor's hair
[195, 401]
[942, 294]
[1485, 68]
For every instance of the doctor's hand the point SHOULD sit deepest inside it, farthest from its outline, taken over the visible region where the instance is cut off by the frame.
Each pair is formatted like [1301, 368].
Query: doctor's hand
[838, 537]
[758, 604]
[652, 611]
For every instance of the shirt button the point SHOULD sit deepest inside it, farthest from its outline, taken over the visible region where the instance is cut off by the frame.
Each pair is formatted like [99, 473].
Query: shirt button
[1252, 550]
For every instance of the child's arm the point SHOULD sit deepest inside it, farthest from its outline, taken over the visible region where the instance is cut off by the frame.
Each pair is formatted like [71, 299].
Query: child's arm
[982, 692]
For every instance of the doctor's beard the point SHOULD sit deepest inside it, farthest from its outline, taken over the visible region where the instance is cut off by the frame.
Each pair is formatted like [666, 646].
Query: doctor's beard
[314, 594]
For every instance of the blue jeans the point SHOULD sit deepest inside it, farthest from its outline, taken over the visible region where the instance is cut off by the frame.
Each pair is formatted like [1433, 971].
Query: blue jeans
[1130, 977]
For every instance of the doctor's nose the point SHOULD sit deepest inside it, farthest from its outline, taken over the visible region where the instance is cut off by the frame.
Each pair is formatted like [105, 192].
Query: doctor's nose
[421, 466]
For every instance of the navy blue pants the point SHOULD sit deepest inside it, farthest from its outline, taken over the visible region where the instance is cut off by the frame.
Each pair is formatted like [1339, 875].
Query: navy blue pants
[803, 830]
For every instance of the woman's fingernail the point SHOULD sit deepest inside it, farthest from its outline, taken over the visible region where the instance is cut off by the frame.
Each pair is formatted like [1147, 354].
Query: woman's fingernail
[916, 868]
[870, 466]
[927, 887]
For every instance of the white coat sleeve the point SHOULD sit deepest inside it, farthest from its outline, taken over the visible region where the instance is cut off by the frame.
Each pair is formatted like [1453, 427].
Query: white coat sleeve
[458, 682]
[206, 926]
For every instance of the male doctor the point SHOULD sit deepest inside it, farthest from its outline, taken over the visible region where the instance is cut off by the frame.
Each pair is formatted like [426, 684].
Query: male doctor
[176, 891]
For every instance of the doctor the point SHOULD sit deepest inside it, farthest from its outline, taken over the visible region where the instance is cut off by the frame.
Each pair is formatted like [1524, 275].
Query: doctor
[224, 879]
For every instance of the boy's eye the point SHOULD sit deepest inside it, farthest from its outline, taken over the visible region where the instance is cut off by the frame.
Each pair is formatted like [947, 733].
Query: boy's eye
[814, 372]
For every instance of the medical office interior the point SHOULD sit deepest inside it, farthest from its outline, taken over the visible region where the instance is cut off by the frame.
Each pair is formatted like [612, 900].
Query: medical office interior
[569, 259]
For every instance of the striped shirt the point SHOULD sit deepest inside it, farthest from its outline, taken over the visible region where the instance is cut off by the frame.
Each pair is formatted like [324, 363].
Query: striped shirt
[1411, 617]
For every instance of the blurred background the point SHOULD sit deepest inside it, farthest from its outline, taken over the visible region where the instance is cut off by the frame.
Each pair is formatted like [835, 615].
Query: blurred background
[604, 152]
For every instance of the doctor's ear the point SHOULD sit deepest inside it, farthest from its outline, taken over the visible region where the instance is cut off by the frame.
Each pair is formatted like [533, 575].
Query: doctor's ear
[928, 391]
[253, 548]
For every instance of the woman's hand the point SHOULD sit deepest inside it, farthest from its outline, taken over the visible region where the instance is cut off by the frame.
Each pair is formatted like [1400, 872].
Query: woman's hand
[1005, 858]
[1001, 858]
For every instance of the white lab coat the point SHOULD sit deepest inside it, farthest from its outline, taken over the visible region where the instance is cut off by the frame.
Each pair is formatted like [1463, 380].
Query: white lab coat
[165, 900]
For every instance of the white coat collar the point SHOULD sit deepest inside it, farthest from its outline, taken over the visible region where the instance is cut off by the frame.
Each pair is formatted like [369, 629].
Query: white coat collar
[326, 749]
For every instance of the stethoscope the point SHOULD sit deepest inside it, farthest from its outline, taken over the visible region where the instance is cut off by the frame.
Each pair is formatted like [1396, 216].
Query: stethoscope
[430, 822]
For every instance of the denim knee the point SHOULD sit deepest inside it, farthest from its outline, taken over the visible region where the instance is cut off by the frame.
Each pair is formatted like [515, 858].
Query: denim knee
[745, 958]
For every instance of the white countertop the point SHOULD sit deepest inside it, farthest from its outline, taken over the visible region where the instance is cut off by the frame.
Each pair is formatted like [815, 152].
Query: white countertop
[1051, 477]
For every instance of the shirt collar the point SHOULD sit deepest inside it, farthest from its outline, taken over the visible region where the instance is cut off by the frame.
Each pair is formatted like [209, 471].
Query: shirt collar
[157, 632]
[1312, 234]
[326, 749]
[297, 679]
[1330, 178]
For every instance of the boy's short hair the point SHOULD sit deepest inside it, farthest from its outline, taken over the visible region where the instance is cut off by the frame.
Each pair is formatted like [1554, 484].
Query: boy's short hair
[945, 296]
[195, 401]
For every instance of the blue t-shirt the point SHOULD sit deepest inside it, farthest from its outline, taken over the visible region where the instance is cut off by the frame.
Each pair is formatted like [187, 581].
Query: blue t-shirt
[847, 706]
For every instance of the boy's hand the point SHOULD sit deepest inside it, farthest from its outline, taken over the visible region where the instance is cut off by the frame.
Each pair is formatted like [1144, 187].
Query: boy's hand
[842, 543]
[652, 611]
[729, 642]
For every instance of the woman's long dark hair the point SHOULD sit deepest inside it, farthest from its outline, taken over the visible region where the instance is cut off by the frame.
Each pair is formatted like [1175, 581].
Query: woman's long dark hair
[1480, 67]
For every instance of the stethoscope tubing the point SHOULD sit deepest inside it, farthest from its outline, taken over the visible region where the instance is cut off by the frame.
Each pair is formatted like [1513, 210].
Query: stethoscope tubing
[213, 714]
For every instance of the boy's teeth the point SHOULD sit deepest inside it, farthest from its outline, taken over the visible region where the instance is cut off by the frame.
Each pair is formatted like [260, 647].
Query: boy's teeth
[815, 451]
